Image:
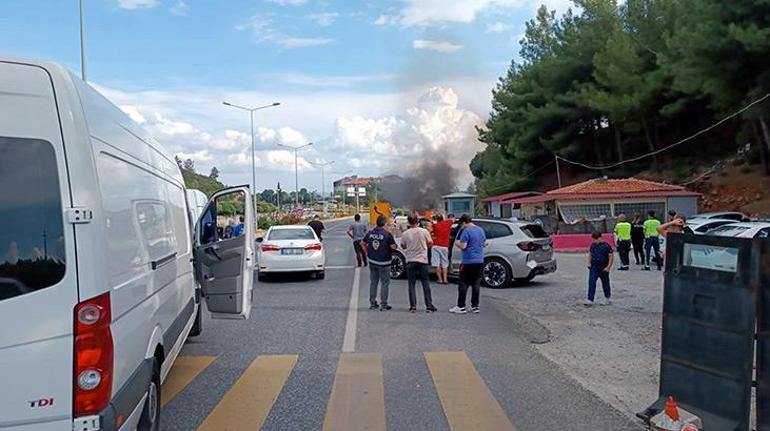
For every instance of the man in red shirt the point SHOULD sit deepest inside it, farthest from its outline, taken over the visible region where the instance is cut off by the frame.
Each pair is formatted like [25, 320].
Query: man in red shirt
[440, 251]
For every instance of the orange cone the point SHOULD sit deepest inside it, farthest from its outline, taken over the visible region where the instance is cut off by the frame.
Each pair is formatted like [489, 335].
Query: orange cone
[671, 409]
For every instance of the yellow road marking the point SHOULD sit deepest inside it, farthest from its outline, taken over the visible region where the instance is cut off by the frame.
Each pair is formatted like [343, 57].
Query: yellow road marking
[467, 401]
[357, 401]
[185, 369]
[248, 402]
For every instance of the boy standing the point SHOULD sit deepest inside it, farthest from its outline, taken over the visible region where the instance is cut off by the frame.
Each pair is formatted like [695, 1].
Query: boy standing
[600, 259]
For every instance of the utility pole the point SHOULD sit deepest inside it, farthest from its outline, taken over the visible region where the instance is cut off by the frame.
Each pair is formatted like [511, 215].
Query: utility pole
[253, 153]
[323, 180]
[296, 170]
[558, 173]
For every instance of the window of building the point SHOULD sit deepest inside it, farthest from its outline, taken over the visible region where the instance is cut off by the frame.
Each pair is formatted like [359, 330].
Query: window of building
[32, 255]
[641, 208]
[574, 213]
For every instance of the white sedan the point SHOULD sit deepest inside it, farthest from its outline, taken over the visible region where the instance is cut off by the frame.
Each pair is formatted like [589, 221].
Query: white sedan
[287, 249]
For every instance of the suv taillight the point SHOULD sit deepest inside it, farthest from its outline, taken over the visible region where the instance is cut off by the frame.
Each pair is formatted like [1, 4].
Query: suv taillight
[92, 373]
[528, 246]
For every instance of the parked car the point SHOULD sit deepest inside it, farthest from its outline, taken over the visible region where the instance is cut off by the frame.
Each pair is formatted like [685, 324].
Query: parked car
[294, 248]
[98, 252]
[516, 252]
[729, 215]
[743, 230]
[704, 225]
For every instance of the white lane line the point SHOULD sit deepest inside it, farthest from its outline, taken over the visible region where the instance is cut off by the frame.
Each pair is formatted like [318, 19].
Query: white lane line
[340, 267]
[349, 342]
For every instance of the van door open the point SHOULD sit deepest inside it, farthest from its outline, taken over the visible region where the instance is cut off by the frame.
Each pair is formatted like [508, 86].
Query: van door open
[224, 253]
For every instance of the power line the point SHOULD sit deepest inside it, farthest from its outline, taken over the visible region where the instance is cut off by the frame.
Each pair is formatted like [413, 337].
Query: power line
[675, 144]
[503, 187]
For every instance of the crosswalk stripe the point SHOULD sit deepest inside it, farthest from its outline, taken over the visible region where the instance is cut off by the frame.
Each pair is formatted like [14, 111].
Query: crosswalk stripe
[357, 401]
[467, 401]
[248, 402]
[185, 369]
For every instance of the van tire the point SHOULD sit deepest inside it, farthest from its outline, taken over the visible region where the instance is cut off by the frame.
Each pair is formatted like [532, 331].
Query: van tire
[150, 420]
[197, 326]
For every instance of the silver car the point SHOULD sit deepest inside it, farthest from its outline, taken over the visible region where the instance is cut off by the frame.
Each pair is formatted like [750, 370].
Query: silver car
[516, 252]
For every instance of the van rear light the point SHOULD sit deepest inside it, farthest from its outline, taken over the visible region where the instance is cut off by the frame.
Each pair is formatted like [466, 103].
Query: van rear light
[528, 246]
[313, 247]
[93, 359]
[269, 248]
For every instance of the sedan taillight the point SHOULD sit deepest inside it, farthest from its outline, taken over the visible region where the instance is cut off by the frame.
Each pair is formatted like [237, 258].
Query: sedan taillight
[92, 373]
[528, 246]
[313, 247]
[266, 248]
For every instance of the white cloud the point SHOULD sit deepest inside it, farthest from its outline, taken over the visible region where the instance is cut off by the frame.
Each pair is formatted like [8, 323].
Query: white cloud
[324, 19]
[134, 113]
[422, 13]
[137, 4]
[438, 46]
[264, 31]
[180, 8]
[435, 127]
[288, 2]
[497, 27]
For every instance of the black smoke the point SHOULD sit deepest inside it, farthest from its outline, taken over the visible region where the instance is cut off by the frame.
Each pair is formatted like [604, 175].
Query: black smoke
[423, 185]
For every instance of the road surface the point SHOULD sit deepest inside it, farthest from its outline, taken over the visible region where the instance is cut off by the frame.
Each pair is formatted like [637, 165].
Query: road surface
[285, 369]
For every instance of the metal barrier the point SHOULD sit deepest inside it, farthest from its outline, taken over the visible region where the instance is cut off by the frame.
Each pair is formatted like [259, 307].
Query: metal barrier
[711, 292]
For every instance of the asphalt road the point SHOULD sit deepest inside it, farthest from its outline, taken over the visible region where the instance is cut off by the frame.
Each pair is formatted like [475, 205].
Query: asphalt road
[285, 369]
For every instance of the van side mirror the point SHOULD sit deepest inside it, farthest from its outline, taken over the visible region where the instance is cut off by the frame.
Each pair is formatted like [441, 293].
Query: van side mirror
[260, 239]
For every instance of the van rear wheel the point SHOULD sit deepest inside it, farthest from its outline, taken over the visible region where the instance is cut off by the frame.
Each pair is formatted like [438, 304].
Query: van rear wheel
[150, 420]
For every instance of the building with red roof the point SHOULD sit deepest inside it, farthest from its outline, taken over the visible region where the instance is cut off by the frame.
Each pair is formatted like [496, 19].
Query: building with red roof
[603, 198]
[503, 206]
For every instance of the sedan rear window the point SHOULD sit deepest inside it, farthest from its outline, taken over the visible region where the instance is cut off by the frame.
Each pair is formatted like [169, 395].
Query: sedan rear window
[32, 241]
[284, 234]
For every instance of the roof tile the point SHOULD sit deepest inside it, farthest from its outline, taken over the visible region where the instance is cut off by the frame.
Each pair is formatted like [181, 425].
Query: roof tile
[628, 185]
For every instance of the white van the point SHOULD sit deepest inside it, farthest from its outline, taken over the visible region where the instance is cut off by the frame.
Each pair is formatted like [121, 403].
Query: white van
[196, 203]
[98, 285]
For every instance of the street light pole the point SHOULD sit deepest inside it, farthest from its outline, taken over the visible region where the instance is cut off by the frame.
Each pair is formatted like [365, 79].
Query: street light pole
[82, 45]
[323, 180]
[296, 170]
[253, 153]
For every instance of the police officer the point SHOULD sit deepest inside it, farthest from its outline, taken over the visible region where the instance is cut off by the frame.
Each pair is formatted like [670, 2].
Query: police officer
[623, 239]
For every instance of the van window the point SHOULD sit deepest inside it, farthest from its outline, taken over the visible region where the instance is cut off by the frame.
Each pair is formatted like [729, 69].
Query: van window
[32, 239]
[145, 218]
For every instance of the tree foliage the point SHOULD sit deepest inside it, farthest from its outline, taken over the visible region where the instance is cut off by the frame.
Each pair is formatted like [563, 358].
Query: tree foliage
[613, 81]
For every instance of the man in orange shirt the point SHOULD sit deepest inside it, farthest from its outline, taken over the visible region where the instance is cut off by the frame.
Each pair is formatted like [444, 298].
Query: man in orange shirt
[440, 251]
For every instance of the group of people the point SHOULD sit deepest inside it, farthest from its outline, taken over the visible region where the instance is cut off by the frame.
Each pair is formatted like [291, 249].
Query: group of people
[641, 235]
[374, 248]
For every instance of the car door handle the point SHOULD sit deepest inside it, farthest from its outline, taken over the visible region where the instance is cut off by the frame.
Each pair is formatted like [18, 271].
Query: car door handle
[155, 264]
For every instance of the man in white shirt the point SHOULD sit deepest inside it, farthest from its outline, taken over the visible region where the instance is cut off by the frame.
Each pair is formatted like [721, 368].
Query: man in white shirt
[416, 241]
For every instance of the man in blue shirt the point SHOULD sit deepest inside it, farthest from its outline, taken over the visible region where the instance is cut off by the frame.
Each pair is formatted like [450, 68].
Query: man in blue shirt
[472, 241]
[238, 229]
[379, 245]
[599, 264]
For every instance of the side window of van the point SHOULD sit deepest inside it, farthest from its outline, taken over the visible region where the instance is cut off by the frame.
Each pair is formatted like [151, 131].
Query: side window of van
[32, 253]
[141, 218]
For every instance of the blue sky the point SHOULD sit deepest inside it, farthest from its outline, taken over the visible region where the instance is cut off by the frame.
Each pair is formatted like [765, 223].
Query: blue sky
[377, 85]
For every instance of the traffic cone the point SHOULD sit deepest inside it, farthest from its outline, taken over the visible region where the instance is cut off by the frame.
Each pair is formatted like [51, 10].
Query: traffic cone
[672, 411]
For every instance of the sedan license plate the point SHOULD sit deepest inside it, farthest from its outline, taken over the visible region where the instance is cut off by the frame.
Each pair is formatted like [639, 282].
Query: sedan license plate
[292, 251]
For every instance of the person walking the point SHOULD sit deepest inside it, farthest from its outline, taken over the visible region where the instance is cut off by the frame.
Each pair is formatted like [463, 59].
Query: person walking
[623, 241]
[356, 232]
[415, 242]
[318, 227]
[600, 260]
[379, 246]
[637, 238]
[652, 241]
[440, 252]
[471, 242]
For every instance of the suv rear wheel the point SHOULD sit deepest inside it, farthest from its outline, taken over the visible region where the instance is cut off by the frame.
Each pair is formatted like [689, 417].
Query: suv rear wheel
[397, 266]
[496, 273]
